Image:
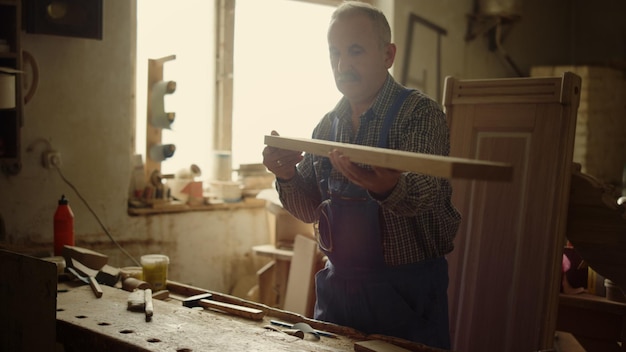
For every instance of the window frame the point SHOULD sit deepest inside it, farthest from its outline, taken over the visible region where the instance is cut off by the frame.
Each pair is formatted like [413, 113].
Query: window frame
[224, 69]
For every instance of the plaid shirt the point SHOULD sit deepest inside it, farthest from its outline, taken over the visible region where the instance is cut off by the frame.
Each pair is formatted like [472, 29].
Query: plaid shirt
[419, 221]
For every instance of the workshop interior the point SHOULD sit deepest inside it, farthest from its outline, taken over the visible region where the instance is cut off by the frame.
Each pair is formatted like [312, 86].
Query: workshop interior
[137, 213]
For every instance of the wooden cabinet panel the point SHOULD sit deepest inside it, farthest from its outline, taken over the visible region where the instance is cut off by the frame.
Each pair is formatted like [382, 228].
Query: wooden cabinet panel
[505, 268]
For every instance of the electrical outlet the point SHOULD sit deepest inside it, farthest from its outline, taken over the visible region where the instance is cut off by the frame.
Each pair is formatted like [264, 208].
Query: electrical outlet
[51, 159]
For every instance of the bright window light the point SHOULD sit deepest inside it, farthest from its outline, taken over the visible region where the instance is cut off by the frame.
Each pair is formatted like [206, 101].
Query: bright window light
[185, 29]
[282, 75]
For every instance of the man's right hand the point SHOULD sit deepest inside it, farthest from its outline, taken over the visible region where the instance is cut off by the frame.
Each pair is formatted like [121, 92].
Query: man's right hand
[281, 162]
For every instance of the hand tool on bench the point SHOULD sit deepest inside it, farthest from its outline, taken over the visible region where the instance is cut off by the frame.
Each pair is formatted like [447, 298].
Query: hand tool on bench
[149, 307]
[85, 273]
[90, 263]
[203, 300]
[95, 287]
[302, 326]
[292, 332]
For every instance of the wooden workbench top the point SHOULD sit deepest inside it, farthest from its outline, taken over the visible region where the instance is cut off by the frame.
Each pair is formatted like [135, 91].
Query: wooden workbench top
[87, 323]
[84, 321]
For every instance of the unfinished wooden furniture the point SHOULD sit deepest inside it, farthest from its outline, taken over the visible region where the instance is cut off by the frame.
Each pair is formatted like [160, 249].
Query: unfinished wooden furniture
[275, 278]
[505, 270]
[288, 281]
[274, 275]
[306, 261]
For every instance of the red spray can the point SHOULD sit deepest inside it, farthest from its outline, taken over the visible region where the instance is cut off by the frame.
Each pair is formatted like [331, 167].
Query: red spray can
[63, 226]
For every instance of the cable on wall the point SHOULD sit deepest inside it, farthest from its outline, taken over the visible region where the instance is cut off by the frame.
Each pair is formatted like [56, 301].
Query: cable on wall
[95, 215]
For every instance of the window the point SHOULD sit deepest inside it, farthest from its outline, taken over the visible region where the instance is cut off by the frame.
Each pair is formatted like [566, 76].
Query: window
[185, 29]
[282, 77]
[282, 74]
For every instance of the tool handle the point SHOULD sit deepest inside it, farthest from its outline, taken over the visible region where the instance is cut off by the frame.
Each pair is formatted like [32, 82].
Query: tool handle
[149, 307]
[244, 312]
[281, 323]
[95, 286]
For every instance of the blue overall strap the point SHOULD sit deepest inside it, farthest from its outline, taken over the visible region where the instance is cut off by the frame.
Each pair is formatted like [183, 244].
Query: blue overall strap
[326, 162]
[391, 116]
[382, 142]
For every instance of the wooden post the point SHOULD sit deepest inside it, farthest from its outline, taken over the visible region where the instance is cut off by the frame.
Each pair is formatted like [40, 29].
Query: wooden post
[153, 134]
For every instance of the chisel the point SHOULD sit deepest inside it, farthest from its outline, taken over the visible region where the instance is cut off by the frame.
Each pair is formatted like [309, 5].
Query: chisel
[295, 326]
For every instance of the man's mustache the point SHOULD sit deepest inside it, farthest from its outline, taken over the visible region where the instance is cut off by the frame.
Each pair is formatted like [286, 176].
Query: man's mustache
[347, 77]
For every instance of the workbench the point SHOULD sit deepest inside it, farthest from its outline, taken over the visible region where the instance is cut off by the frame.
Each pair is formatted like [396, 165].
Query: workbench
[87, 323]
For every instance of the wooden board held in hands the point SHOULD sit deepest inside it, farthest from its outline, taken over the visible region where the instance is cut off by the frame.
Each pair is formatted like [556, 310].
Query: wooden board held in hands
[427, 164]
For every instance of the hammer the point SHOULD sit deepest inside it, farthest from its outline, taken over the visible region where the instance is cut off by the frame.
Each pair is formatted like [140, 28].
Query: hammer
[203, 300]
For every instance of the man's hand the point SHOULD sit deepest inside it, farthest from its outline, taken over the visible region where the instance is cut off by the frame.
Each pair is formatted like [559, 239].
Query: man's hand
[281, 162]
[379, 181]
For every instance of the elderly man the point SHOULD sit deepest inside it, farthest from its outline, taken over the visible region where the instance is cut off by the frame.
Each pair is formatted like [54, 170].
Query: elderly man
[385, 232]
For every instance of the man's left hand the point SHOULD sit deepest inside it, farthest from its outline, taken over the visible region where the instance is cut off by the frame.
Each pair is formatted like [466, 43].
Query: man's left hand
[379, 181]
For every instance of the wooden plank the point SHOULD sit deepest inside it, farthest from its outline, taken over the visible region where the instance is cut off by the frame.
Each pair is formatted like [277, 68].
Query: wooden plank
[240, 311]
[266, 279]
[377, 346]
[433, 165]
[300, 293]
[271, 251]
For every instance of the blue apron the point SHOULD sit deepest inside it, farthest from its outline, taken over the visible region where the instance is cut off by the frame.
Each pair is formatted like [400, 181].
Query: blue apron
[356, 288]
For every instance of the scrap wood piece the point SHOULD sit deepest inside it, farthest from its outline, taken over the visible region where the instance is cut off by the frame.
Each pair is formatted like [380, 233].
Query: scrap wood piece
[395, 344]
[377, 346]
[428, 164]
[108, 275]
[91, 259]
[244, 312]
[149, 307]
[136, 301]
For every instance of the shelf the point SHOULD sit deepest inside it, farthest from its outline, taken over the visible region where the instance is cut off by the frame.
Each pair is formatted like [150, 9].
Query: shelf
[246, 203]
[11, 119]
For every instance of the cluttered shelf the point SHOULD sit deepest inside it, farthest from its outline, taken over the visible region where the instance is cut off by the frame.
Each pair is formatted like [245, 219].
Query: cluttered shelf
[179, 207]
[185, 192]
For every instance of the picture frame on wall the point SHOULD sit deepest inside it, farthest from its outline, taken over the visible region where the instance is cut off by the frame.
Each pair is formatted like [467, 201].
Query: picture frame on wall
[422, 59]
[71, 18]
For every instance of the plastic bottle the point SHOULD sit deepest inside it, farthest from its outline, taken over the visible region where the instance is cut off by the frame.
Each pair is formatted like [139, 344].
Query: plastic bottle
[63, 226]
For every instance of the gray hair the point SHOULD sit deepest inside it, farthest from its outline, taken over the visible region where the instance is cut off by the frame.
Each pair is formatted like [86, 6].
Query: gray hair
[351, 8]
